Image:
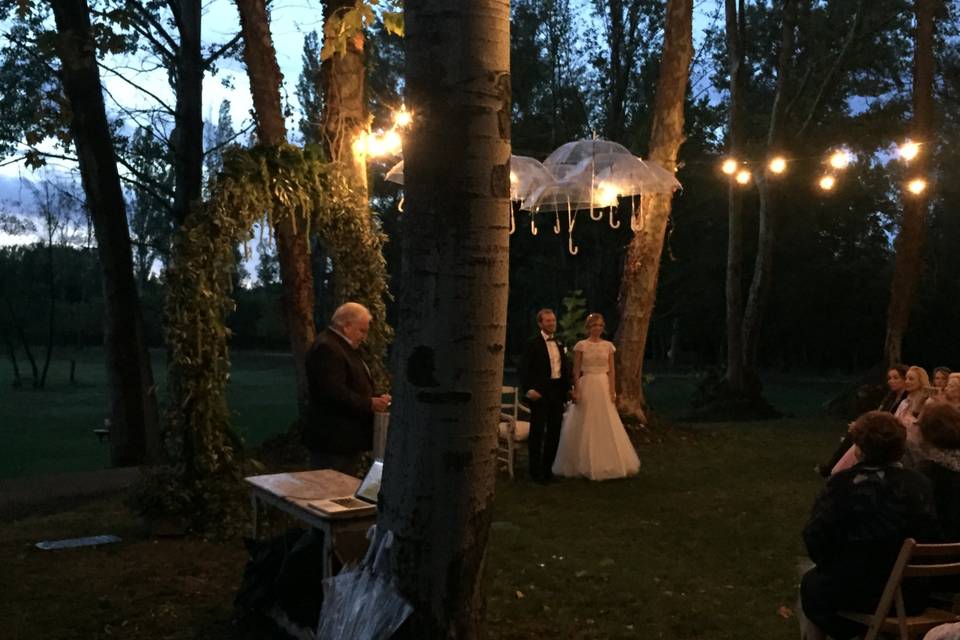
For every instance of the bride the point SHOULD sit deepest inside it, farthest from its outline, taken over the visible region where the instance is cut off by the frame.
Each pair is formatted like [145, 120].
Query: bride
[593, 442]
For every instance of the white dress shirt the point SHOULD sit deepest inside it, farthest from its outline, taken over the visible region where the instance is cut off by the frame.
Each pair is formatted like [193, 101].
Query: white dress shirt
[553, 350]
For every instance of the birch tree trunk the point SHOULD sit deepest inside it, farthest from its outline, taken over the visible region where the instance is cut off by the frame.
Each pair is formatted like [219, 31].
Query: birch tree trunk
[760, 286]
[292, 246]
[909, 244]
[134, 417]
[437, 495]
[641, 267]
[188, 134]
[735, 30]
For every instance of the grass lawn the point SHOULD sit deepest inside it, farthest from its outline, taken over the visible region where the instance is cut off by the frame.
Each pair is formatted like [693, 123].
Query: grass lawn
[703, 544]
[50, 430]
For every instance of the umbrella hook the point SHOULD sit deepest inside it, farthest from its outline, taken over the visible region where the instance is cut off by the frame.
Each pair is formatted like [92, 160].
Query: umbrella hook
[533, 224]
[513, 221]
[400, 205]
[614, 224]
[596, 214]
[556, 225]
[571, 221]
[636, 217]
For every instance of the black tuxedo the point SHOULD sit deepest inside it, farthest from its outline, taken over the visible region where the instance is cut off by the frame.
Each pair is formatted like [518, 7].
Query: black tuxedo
[339, 415]
[546, 414]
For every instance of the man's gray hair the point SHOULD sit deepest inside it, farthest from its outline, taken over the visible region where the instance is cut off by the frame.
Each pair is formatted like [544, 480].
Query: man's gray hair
[349, 313]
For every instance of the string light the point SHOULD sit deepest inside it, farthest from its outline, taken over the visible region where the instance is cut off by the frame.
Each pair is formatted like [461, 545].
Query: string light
[917, 186]
[777, 165]
[840, 159]
[605, 195]
[827, 183]
[729, 166]
[402, 118]
[743, 177]
[908, 150]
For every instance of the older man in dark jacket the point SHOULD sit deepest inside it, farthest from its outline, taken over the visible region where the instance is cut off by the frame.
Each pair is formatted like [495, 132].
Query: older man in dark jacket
[341, 403]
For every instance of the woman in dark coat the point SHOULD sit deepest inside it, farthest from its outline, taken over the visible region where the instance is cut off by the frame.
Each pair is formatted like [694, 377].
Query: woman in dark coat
[859, 521]
[940, 451]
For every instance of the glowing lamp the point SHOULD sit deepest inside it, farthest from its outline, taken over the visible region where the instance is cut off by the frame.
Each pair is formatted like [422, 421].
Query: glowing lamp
[392, 142]
[908, 150]
[513, 178]
[605, 195]
[917, 186]
[402, 118]
[777, 165]
[729, 166]
[827, 183]
[840, 159]
[743, 177]
[359, 145]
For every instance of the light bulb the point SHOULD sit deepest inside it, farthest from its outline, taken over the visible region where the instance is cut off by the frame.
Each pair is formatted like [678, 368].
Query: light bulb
[743, 177]
[840, 159]
[605, 195]
[908, 150]
[402, 118]
[778, 165]
[729, 166]
[917, 186]
[827, 183]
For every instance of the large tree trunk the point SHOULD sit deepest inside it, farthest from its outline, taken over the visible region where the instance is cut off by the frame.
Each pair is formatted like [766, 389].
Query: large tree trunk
[188, 134]
[134, 435]
[437, 496]
[909, 245]
[641, 267]
[293, 249]
[760, 286]
[734, 288]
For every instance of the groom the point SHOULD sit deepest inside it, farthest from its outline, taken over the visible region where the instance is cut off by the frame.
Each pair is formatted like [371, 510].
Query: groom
[545, 375]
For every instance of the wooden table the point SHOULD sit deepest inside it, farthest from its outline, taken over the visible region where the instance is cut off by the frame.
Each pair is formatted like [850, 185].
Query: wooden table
[289, 492]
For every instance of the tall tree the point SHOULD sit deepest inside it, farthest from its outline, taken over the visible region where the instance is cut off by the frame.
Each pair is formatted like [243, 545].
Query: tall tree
[638, 286]
[292, 244]
[909, 244]
[438, 491]
[735, 32]
[134, 418]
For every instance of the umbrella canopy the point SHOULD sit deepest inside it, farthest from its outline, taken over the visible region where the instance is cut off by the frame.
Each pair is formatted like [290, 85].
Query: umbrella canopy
[568, 156]
[527, 175]
[627, 175]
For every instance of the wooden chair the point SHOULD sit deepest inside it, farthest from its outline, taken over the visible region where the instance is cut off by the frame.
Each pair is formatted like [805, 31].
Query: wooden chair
[935, 560]
[514, 427]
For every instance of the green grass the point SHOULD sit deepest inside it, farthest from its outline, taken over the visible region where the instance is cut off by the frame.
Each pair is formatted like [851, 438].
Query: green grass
[703, 544]
[51, 430]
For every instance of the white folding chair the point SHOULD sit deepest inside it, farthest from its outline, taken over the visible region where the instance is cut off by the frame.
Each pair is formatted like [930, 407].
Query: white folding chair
[514, 427]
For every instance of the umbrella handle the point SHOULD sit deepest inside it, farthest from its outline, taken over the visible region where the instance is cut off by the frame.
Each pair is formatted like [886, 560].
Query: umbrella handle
[513, 221]
[533, 224]
[571, 221]
[556, 225]
[614, 224]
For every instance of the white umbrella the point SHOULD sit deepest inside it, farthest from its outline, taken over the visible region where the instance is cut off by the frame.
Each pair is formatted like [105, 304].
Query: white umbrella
[527, 175]
[624, 174]
[568, 156]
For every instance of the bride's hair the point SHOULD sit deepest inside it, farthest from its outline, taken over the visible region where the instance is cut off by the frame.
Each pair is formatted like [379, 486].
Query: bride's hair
[592, 319]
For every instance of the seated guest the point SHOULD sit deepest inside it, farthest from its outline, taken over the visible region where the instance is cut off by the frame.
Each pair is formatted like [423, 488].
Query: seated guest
[940, 429]
[895, 394]
[940, 376]
[916, 384]
[859, 521]
[951, 393]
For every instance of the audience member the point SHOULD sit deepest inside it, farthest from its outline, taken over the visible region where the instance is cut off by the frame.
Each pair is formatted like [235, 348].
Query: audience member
[858, 523]
[940, 376]
[940, 429]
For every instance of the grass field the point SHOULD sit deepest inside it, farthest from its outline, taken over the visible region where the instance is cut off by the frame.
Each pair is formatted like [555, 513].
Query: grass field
[51, 430]
[703, 544]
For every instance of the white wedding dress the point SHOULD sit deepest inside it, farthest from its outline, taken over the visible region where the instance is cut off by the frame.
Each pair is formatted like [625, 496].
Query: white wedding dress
[593, 442]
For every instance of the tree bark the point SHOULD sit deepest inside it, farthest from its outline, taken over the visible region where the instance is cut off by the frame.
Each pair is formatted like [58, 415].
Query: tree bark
[292, 246]
[18, 327]
[134, 419]
[188, 134]
[437, 496]
[761, 283]
[641, 267]
[12, 353]
[909, 244]
[734, 287]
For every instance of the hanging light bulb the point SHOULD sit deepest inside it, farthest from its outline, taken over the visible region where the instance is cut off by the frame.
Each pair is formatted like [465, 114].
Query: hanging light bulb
[827, 183]
[840, 159]
[392, 142]
[908, 150]
[605, 195]
[729, 166]
[359, 145]
[777, 165]
[743, 177]
[402, 118]
[917, 186]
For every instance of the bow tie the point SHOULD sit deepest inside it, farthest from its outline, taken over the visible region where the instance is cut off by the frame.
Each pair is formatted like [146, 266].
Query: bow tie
[553, 339]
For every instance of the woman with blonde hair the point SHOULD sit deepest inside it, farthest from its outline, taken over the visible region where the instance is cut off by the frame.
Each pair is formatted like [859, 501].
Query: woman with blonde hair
[593, 442]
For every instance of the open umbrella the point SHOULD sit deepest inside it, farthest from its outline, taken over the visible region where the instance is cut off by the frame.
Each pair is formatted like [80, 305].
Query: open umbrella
[527, 175]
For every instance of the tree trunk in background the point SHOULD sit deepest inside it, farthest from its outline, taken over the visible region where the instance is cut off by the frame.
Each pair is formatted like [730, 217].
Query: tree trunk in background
[437, 495]
[909, 245]
[641, 267]
[735, 27]
[134, 431]
[343, 78]
[292, 245]
[12, 353]
[188, 134]
[760, 286]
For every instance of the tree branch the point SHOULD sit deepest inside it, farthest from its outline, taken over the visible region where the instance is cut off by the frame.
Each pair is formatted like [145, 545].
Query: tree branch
[147, 19]
[218, 53]
[133, 84]
[834, 69]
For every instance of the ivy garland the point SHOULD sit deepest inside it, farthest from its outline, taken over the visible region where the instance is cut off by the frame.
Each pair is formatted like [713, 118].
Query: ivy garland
[262, 181]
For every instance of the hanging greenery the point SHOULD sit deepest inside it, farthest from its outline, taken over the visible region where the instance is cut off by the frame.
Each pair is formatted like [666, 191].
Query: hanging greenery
[258, 183]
